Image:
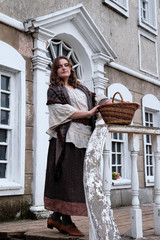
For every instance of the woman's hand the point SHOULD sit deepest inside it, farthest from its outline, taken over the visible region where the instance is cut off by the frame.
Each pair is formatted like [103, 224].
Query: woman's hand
[94, 110]
[84, 114]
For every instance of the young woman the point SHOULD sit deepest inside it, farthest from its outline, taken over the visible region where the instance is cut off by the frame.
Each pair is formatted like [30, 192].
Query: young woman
[71, 121]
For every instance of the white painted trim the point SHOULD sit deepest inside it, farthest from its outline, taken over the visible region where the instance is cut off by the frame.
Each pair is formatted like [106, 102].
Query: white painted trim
[14, 184]
[38, 209]
[118, 7]
[118, 87]
[126, 164]
[11, 22]
[121, 183]
[146, 25]
[40, 212]
[146, 35]
[81, 21]
[151, 102]
[8, 186]
[9, 62]
[134, 73]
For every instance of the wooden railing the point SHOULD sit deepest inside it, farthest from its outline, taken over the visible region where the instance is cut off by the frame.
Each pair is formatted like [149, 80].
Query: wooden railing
[98, 190]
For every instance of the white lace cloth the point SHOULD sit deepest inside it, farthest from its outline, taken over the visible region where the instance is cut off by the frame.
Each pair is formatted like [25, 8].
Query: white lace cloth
[79, 134]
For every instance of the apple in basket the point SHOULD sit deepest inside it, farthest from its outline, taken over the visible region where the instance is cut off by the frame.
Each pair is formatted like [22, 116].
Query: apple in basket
[104, 101]
[109, 102]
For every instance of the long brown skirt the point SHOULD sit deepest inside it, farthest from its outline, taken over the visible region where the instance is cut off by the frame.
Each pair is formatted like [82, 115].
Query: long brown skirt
[65, 195]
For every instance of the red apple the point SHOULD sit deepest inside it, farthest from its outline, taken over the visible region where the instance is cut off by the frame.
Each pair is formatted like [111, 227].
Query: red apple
[108, 102]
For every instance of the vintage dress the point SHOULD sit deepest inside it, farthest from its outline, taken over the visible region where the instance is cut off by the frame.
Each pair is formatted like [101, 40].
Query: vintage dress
[64, 191]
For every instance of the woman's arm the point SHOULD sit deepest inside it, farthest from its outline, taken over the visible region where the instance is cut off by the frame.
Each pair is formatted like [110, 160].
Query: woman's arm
[84, 114]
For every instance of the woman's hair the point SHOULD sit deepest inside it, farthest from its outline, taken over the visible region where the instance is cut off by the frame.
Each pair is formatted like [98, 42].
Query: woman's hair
[55, 80]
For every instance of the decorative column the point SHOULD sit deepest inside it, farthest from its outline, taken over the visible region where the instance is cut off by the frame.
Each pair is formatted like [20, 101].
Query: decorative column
[135, 212]
[99, 60]
[156, 150]
[40, 63]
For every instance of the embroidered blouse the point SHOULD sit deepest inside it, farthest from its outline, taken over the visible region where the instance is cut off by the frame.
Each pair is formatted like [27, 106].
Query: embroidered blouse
[77, 133]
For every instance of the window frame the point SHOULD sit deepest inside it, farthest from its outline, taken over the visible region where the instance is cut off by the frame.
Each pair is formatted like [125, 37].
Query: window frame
[6, 126]
[149, 179]
[13, 184]
[149, 37]
[123, 9]
[151, 13]
[152, 105]
[117, 142]
[125, 179]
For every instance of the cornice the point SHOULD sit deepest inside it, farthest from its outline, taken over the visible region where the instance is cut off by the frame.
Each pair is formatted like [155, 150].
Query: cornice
[11, 22]
[78, 17]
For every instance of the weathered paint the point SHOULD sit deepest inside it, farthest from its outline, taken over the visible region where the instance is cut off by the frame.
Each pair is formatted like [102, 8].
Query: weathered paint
[100, 213]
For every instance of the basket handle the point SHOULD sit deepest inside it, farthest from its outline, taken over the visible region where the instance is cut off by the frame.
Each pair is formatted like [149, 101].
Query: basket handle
[119, 95]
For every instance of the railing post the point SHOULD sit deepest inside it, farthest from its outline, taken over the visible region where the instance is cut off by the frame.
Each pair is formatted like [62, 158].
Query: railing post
[156, 150]
[135, 212]
[107, 168]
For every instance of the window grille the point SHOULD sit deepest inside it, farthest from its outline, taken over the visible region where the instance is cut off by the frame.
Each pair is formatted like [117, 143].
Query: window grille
[144, 10]
[4, 122]
[148, 146]
[117, 152]
[148, 15]
[60, 48]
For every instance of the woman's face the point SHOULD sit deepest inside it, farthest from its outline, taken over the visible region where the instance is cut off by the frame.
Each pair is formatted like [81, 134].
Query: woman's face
[64, 69]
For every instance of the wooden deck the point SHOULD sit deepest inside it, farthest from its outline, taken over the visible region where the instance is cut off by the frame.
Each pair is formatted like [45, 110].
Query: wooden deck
[37, 230]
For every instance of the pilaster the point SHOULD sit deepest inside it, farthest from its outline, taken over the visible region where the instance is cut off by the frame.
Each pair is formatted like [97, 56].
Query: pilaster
[40, 63]
[99, 79]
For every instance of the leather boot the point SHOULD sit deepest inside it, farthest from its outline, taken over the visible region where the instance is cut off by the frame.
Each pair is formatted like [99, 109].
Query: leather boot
[55, 224]
[72, 230]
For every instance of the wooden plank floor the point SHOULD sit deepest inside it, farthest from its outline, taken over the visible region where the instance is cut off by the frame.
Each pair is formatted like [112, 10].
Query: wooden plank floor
[122, 219]
[37, 230]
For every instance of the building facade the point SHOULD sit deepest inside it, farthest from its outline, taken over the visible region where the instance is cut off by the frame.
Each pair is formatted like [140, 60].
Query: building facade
[113, 45]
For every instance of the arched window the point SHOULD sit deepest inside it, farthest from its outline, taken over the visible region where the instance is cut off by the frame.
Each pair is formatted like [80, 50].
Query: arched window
[58, 47]
[12, 121]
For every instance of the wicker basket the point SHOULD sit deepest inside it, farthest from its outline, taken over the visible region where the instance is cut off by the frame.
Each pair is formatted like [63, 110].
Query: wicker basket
[118, 113]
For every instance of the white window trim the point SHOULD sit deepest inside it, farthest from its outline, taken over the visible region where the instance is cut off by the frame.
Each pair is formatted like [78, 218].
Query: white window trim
[146, 35]
[15, 64]
[146, 25]
[124, 10]
[151, 103]
[122, 182]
